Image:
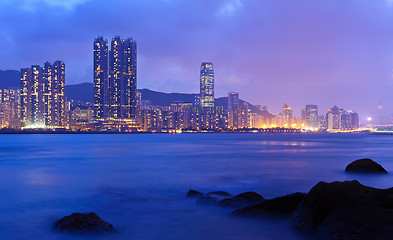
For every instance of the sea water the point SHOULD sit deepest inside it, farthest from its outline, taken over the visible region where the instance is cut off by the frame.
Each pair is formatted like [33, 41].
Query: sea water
[138, 182]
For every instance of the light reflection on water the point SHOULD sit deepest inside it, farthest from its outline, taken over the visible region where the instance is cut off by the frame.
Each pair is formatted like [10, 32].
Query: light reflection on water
[138, 182]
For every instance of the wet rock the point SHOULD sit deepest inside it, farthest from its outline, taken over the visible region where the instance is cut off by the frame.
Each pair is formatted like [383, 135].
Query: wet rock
[83, 223]
[218, 194]
[346, 210]
[365, 165]
[193, 194]
[280, 206]
[213, 197]
[242, 200]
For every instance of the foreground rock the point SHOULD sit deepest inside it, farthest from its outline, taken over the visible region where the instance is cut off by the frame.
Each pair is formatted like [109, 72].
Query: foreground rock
[346, 210]
[83, 223]
[193, 194]
[242, 200]
[213, 197]
[280, 206]
[365, 165]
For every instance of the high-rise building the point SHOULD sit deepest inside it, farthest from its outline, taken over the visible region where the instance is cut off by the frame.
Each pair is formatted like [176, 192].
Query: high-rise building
[233, 100]
[233, 104]
[287, 115]
[207, 85]
[349, 120]
[122, 79]
[9, 108]
[311, 116]
[333, 118]
[100, 77]
[43, 95]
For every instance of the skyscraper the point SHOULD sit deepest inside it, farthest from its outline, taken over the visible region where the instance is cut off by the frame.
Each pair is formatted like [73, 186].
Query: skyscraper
[287, 114]
[122, 79]
[207, 85]
[100, 77]
[43, 96]
[233, 104]
[311, 116]
[333, 117]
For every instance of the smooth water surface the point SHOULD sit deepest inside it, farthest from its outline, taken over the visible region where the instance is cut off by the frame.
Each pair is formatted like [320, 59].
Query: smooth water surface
[139, 182]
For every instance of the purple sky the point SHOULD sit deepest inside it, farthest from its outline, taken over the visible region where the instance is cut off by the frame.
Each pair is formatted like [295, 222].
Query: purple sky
[324, 52]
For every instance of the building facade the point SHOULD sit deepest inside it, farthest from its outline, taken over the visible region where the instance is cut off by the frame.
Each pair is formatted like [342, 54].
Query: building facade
[122, 79]
[43, 95]
[115, 78]
[207, 85]
[10, 108]
[311, 118]
[100, 81]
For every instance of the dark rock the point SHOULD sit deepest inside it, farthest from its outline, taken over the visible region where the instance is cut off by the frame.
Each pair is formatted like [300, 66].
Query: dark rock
[83, 223]
[218, 194]
[280, 206]
[365, 165]
[242, 200]
[346, 210]
[213, 197]
[193, 194]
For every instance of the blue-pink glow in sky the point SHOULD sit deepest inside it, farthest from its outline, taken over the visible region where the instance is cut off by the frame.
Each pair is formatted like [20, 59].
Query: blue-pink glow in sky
[324, 52]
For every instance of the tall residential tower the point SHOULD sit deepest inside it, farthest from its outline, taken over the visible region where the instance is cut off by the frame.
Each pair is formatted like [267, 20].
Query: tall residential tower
[100, 77]
[122, 79]
[43, 96]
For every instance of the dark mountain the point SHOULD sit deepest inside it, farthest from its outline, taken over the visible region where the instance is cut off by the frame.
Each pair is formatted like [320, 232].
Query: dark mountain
[80, 92]
[84, 92]
[9, 79]
[165, 99]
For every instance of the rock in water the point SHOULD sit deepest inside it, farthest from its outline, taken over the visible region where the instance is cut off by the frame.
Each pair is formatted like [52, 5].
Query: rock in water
[218, 194]
[365, 165]
[242, 200]
[212, 197]
[346, 210]
[83, 223]
[280, 206]
[193, 194]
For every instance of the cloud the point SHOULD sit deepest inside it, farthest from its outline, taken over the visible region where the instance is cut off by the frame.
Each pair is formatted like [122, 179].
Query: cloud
[32, 5]
[229, 8]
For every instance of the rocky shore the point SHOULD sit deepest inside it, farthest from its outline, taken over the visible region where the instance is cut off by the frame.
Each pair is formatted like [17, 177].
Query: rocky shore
[335, 211]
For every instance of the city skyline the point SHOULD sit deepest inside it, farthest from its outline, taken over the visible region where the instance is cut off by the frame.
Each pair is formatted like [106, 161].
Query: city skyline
[312, 59]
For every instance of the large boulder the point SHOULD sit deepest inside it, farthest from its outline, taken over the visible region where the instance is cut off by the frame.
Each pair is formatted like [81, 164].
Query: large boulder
[242, 200]
[365, 165]
[83, 223]
[346, 210]
[280, 206]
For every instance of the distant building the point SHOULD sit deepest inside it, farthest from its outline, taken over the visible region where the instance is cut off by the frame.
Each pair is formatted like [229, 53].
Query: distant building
[333, 117]
[115, 78]
[233, 100]
[311, 116]
[9, 108]
[207, 85]
[43, 95]
[338, 119]
[233, 104]
[122, 79]
[287, 115]
[81, 116]
[100, 77]
[349, 120]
